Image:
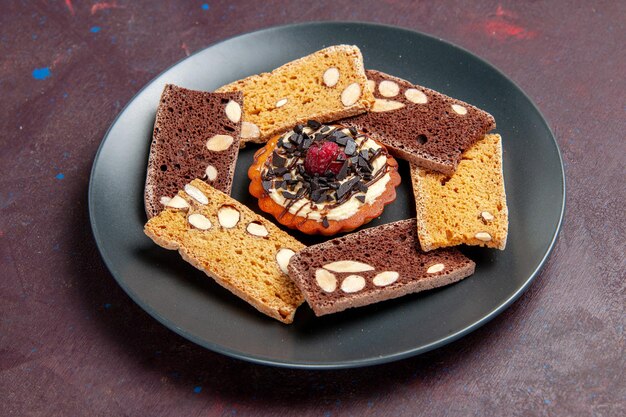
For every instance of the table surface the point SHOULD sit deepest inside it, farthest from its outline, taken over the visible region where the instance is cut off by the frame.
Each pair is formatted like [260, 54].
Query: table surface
[72, 343]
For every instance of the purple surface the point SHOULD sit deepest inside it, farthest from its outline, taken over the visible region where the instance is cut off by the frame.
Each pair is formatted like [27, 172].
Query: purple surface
[72, 342]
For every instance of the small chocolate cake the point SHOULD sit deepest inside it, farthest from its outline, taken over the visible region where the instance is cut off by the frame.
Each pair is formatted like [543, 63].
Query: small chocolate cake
[373, 265]
[421, 125]
[196, 135]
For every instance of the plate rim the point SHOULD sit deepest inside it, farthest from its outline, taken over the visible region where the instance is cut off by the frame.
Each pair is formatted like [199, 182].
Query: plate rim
[329, 365]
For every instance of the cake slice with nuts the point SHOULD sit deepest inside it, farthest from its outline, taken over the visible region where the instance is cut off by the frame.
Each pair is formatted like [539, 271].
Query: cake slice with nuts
[373, 265]
[240, 250]
[421, 125]
[467, 208]
[327, 85]
[196, 135]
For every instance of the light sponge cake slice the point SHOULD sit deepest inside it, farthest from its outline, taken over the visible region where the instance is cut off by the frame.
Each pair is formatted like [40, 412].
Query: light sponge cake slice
[467, 208]
[196, 135]
[240, 250]
[327, 85]
[373, 265]
[421, 125]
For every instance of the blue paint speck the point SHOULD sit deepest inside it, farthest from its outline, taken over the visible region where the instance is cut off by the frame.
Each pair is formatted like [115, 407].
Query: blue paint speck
[547, 401]
[59, 176]
[205, 6]
[197, 389]
[107, 306]
[34, 36]
[41, 73]
[5, 201]
[95, 29]
[33, 350]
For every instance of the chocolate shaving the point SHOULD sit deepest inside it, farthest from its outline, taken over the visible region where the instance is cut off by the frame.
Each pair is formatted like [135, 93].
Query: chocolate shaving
[345, 187]
[313, 124]
[342, 140]
[280, 171]
[277, 160]
[316, 195]
[325, 222]
[343, 172]
[361, 198]
[350, 147]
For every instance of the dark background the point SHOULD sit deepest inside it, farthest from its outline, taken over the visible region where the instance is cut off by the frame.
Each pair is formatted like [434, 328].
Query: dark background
[72, 343]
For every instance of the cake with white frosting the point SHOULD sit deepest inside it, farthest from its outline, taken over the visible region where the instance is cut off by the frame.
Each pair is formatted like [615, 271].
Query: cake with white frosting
[323, 179]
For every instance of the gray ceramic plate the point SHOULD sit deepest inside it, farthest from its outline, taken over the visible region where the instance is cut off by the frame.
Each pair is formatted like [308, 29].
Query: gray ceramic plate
[189, 303]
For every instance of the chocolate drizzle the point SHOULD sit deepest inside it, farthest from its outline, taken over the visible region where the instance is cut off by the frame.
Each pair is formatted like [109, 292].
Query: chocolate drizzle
[284, 170]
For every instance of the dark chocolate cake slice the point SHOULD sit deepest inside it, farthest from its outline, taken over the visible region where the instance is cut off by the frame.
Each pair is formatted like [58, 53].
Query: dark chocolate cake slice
[373, 265]
[196, 135]
[421, 125]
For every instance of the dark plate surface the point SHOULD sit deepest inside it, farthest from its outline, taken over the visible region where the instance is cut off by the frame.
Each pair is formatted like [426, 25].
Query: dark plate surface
[191, 304]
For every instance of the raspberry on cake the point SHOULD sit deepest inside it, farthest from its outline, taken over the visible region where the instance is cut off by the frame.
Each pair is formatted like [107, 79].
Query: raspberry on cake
[323, 179]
